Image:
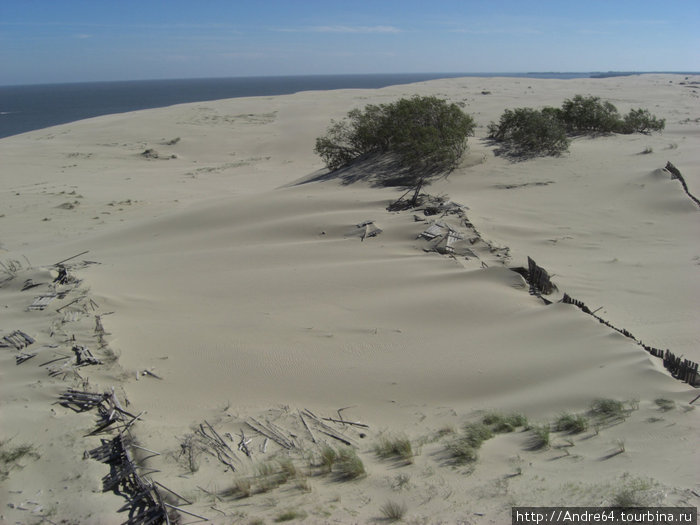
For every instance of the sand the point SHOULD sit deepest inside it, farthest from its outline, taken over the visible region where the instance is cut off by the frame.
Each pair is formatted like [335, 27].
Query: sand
[229, 270]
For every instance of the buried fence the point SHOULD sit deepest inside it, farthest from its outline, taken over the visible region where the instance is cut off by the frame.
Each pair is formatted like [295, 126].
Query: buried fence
[541, 284]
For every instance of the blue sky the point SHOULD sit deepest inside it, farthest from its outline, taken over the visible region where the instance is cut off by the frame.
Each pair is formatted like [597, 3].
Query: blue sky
[43, 41]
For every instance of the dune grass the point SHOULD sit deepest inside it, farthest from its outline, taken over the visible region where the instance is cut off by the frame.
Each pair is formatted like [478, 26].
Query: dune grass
[571, 423]
[393, 511]
[395, 448]
[501, 423]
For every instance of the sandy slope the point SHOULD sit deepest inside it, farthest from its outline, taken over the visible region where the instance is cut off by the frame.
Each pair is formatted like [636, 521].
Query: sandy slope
[247, 291]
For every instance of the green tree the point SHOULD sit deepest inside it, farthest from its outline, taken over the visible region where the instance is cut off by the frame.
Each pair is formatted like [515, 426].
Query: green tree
[426, 135]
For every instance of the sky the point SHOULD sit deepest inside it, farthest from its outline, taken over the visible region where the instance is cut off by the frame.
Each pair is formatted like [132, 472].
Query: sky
[47, 41]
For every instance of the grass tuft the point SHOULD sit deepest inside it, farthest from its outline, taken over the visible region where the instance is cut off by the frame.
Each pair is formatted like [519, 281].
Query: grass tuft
[571, 423]
[539, 439]
[393, 511]
[501, 423]
[289, 515]
[395, 448]
[608, 408]
[348, 465]
[665, 404]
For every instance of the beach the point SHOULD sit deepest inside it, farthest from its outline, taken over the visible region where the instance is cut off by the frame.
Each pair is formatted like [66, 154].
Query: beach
[227, 285]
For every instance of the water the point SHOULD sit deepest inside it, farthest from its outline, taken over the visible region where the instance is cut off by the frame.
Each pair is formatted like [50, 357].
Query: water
[26, 108]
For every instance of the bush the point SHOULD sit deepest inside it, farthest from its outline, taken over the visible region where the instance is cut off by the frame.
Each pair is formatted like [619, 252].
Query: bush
[427, 134]
[529, 132]
[641, 121]
[582, 115]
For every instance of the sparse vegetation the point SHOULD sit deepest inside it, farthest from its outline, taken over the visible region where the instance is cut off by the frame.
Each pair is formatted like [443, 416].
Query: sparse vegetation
[500, 423]
[571, 423]
[328, 457]
[463, 448]
[665, 404]
[395, 448]
[10, 456]
[539, 439]
[393, 511]
[289, 515]
[348, 465]
[608, 409]
[636, 492]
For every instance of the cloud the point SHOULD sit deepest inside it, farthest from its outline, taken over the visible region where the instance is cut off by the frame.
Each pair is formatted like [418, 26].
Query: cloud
[342, 29]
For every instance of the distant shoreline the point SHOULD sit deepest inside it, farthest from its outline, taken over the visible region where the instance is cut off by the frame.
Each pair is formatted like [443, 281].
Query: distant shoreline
[39, 106]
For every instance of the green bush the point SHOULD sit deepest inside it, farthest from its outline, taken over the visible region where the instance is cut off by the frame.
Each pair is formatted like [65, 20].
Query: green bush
[426, 134]
[641, 121]
[527, 132]
[583, 115]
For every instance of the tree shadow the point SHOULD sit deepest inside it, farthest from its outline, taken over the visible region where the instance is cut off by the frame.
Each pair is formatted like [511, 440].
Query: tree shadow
[377, 170]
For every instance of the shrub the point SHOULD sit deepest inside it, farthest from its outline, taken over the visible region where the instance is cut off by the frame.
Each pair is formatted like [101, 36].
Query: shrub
[426, 134]
[527, 132]
[571, 423]
[393, 511]
[582, 115]
[641, 121]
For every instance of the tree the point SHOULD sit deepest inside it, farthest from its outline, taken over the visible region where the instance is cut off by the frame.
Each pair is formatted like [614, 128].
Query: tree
[426, 135]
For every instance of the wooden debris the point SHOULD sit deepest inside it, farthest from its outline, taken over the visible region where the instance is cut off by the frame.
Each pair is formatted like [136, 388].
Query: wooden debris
[345, 422]
[22, 357]
[42, 301]
[271, 433]
[18, 339]
[29, 284]
[84, 357]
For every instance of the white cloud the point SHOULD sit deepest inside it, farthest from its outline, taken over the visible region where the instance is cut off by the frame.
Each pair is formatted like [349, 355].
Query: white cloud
[342, 29]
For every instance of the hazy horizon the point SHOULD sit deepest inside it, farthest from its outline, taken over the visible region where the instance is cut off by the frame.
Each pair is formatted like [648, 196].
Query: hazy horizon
[44, 42]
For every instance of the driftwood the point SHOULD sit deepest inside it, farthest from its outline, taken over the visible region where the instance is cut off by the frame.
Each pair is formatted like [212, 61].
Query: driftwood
[271, 433]
[72, 257]
[345, 422]
[301, 416]
[676, 174]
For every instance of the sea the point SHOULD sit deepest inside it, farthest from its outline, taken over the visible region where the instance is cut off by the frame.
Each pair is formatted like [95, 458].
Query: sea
[38, 106]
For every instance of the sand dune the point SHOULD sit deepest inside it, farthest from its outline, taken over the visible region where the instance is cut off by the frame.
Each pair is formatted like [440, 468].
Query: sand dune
[240, 285]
